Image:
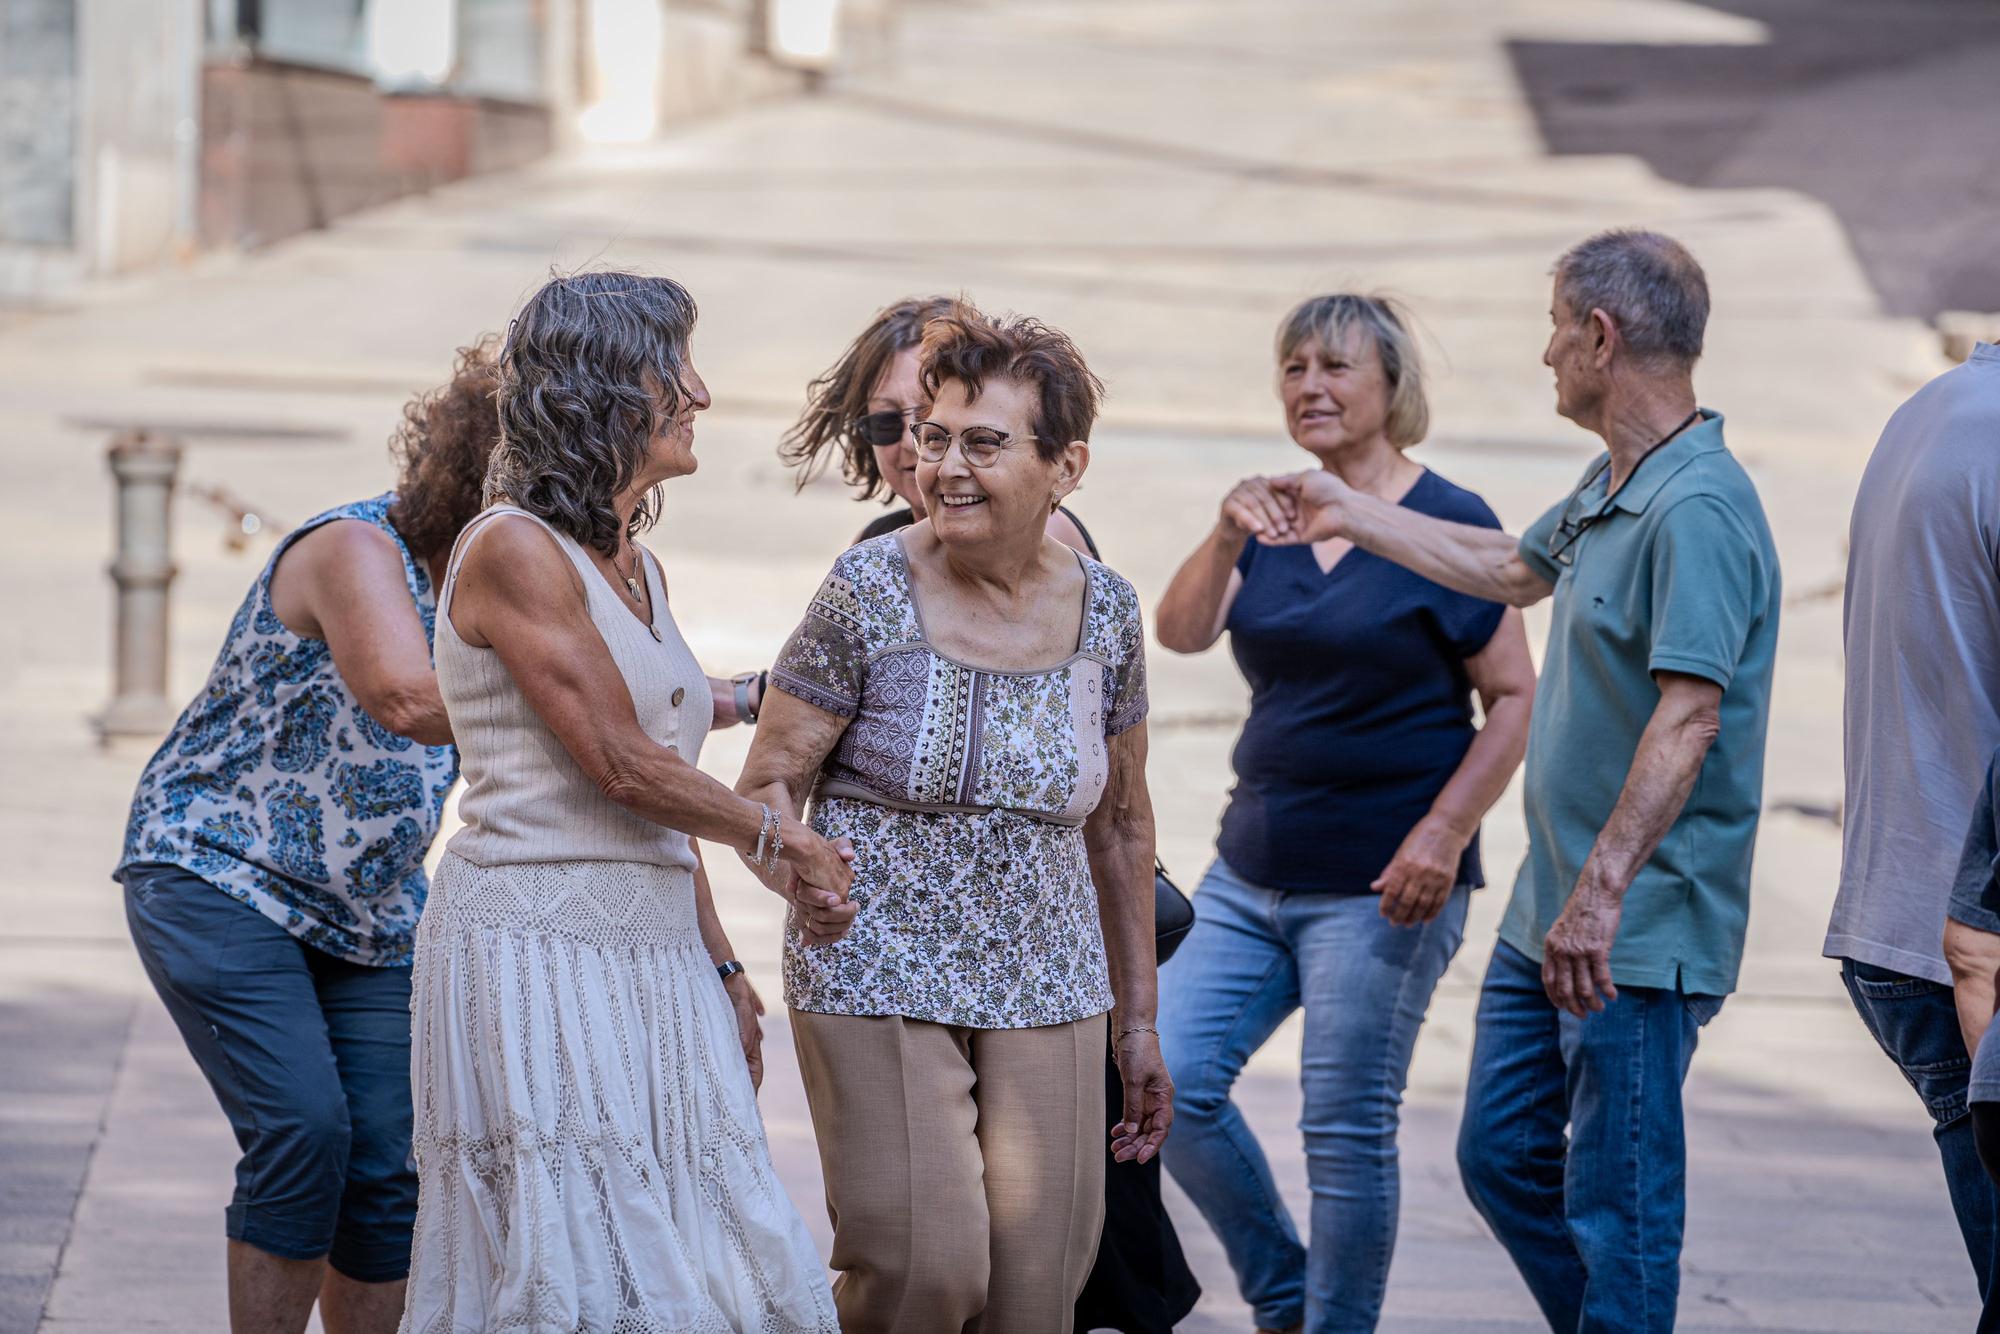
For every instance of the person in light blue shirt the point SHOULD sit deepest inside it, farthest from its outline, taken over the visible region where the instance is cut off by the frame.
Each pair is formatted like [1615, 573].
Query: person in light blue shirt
[1921, 624]
[1642, 786]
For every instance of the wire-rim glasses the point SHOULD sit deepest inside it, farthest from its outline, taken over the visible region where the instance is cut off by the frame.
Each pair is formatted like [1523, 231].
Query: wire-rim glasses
[980, 446]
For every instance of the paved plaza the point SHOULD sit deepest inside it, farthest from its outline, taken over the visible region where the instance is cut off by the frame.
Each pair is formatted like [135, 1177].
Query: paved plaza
[1162, 180]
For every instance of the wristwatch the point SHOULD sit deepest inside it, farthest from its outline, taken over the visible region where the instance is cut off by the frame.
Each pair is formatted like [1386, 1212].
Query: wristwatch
[744, 712]
[728, 969]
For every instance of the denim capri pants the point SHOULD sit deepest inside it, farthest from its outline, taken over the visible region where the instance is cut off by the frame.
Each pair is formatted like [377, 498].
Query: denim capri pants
[309, 1056]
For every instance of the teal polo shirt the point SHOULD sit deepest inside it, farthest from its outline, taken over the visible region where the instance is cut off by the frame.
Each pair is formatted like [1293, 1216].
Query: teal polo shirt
[1677, 573]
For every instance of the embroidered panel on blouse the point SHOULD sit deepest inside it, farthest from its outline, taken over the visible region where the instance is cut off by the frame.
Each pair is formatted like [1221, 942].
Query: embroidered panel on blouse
[277, 787]
[964, 791]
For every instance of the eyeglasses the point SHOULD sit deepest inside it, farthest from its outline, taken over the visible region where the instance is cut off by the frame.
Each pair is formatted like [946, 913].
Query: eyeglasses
[980, 445]
[883, 429]
[1574, 523]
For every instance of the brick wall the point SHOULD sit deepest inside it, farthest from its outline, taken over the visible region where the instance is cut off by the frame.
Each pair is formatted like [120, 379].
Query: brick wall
[286, 148]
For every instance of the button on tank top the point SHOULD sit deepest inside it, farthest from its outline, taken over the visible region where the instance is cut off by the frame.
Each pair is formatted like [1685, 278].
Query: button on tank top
[525, 799]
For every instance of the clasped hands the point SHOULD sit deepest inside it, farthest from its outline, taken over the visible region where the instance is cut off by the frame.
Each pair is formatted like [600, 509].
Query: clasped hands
[1288, 510]
[813, 874]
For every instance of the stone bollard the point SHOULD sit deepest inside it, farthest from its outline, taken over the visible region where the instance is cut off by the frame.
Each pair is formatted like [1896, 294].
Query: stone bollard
[144, 466]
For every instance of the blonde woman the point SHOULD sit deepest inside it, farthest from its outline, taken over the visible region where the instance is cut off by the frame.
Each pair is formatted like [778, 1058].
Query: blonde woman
[1351, 842]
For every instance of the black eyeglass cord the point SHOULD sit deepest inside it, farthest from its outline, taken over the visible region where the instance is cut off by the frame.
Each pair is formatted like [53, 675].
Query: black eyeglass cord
[1655, 448]
[1568, 530]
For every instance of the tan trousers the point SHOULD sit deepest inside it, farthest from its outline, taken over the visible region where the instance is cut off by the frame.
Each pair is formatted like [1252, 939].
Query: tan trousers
[964, 1169]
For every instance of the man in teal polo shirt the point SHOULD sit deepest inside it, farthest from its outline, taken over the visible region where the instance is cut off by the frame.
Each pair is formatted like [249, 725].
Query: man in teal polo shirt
[1642, 787]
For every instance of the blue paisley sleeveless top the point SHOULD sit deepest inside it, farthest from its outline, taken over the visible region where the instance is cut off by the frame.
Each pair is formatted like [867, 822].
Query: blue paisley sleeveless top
[277, 787]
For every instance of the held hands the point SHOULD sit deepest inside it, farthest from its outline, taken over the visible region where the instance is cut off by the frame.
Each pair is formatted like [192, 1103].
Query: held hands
[1149, 1098]
[814, 875]
[1317, 500]
[1291, 510]
[743, 998]
[1254, 508]
[1576, 953]
[1419, 878]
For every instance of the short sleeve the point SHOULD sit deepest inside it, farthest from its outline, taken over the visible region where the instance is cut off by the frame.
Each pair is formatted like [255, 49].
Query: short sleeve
[1534, 544]
[1975, 891]
[1127, 705]
[826, 659]
[1708, 582]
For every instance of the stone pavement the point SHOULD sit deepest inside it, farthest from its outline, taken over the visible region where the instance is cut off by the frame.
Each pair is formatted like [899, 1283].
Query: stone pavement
[1163, 180]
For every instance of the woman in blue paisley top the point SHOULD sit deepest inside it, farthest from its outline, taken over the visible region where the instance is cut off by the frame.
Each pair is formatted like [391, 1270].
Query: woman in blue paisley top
[274, 872]
[967, 697]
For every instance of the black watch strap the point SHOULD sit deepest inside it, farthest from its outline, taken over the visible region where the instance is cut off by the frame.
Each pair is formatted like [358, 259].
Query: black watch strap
[728, 969]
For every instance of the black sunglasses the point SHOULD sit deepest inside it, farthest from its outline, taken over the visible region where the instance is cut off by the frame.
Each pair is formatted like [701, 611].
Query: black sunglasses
[1574, 522]
[882, 429]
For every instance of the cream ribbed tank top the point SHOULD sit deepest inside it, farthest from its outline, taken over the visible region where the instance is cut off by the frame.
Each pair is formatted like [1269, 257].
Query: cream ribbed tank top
[525, 799]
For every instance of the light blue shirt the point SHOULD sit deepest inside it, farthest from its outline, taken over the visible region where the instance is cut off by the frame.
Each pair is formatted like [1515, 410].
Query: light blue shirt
[1922, 622]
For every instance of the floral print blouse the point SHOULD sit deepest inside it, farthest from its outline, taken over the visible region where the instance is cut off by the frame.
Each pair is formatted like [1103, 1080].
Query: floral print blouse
[280, 790]
[964, 791]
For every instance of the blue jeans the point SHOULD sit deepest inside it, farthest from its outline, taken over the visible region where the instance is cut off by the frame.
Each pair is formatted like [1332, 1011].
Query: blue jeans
[1594, 1226]
[1254, 956]
[309, 1056]
[1915, 1021]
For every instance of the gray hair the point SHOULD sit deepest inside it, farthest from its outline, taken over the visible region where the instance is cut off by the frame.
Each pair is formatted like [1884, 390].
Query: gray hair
[591, 366]
[1648, 284]
[1331, 318]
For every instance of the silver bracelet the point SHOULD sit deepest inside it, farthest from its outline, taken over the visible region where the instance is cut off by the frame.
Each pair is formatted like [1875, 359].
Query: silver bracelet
[764, 823]
[1127, 1032]
[777, 839]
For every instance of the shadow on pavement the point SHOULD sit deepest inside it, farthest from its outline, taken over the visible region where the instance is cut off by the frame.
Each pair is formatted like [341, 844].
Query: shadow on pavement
[1882, 109]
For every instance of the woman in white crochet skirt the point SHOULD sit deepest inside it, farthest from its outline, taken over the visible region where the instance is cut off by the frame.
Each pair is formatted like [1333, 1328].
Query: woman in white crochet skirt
[587, 1138]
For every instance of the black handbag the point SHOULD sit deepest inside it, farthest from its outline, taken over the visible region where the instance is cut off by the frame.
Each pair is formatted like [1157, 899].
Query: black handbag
[1173, 914]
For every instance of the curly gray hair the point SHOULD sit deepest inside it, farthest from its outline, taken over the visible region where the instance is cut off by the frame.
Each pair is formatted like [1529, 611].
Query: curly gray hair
[591, 366]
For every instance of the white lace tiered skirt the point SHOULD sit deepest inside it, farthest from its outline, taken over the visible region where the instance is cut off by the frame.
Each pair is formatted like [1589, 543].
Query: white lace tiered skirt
[587, 1140]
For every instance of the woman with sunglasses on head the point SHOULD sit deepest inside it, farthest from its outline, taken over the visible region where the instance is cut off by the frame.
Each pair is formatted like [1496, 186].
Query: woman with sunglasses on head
[965, 701]
[862, 411]
[1350, 845]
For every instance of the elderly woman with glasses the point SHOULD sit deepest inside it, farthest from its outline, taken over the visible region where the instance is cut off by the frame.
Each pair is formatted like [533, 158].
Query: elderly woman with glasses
[966, 698]
[862, 411]
[1351, 842]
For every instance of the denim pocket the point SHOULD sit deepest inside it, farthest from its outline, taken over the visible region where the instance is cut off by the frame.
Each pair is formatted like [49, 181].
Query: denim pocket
[1916, 1024]
[1894, 986]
